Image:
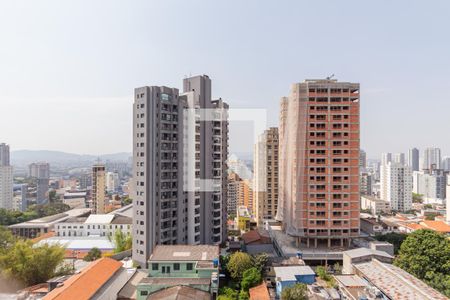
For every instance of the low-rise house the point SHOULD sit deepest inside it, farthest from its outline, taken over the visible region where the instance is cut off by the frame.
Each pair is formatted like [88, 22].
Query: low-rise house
[196, 267]
[243, 218]
[259, 292]
[373, 226]
[438, 226]
[257, 241]
[101, 279]
[375, 205]
[291, 275]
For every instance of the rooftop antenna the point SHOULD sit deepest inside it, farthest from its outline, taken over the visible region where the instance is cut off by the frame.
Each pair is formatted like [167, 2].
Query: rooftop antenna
[330, 77]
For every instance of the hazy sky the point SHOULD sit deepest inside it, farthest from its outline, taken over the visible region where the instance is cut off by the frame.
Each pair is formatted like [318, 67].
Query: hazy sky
[68, 68]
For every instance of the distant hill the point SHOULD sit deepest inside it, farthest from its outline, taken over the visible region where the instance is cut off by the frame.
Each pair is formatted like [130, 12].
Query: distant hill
[21, 157]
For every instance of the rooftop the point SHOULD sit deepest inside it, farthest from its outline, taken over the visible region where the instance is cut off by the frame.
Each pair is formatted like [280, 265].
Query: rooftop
[51, 220]
[80, 243]
[255, 236]
[438, 226]
[118, 219]
[360, 252]
[180, 293]
[259, 292]
[99, 219]
[184, 253]
[86, 283]
[396, 283]
[288, 273]
[129, 289]
[174, 281]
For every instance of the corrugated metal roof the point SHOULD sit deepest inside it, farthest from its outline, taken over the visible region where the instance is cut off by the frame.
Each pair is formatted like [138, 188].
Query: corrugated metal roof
[289, 273]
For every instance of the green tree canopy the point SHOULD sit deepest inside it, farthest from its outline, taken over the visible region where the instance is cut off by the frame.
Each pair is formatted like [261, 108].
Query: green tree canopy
[93, 254]
[426, 255]
[250, 278]
[394, 238]
[31, 265]
[238, 263]
[295, 292]
[122, 241]
[260, 261]
[6, 240]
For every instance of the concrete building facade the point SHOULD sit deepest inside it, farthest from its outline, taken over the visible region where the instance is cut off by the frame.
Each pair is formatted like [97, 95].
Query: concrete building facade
[431, 158]
[396, 186]
[413, 159]
[179, 166]
[6, 178]
[319, 162]
[265, 180]
[98, 188]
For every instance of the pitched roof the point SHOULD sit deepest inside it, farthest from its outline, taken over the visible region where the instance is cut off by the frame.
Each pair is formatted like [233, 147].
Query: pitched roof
[255, 236]
[413, 226]
[180, 293]
[360, 252]
[86, 283]
[438, 226]
[259, 292]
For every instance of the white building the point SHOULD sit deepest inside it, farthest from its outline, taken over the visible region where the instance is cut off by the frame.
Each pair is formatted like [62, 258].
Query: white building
[431, 158]
[431, 185]
[94, 225]
[112, 182]
[396, 186]
[6, 178]
[447, 205]
[375, 205]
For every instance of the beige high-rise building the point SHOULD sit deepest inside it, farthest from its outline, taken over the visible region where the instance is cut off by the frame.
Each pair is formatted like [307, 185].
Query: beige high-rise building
[98, 188]
[319, 162]
[240, 193]
[265, 180]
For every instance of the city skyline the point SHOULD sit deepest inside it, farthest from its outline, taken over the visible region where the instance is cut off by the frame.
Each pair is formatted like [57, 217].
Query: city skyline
[397, 68]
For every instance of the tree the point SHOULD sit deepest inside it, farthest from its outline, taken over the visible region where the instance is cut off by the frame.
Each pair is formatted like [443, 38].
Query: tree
[31, 265]
[260, 261]
[250, 278]
[431, 216]
[337, 268]
[52, 196]
[394, 238]
[238, 263]
[426, 255]
[6, 240]
[93, 254]
[417, 198]
[295, 292]
[122, 241]
[243, 295]
[228, 293]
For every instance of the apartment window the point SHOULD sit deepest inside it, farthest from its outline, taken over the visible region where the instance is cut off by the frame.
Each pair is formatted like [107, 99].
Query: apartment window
[189, 266]
[155, 267]
[144, 293]
[176, 267]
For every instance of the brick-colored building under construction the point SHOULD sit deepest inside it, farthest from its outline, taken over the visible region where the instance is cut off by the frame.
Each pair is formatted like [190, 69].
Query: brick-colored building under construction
[319, 157]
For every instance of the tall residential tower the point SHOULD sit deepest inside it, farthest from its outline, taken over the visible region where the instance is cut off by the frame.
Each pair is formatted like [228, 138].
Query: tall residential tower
[180, 145]
[265, 181]
[319, 162]
[98, 188]
[6, 178]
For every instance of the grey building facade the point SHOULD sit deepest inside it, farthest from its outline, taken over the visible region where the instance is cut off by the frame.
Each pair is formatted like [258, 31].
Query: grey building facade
[413, 159]
[174, 154]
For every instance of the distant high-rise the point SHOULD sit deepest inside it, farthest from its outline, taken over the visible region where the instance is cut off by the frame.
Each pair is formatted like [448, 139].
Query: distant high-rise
[112, 182]
[233, 193]
[362, 160]
[365, 184]
[319, 200]
[396, 185]
[413, 159]
[6, 178]
[446, 163]
[385, 158]
[40, 172]
[431, 158]
[98, 188]
[399, 158]
[179, 159]
[265, 179]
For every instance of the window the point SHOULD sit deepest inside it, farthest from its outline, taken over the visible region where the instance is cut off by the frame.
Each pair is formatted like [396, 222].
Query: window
[176, 267]
[154, 267]
[189, 266]
[144, 293]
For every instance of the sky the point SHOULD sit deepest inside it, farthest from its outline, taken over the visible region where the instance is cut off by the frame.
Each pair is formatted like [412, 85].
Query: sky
[68, 68]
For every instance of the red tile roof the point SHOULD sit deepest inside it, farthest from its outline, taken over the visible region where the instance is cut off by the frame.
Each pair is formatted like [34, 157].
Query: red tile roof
[254, 237]
[85, 284]
[438, 226]
[259, 292]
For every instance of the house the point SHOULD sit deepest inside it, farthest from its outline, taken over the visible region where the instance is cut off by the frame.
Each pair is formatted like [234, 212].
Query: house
[257, 241]
[375, 205]
[101, 279]
[374, 226]
[288, 276]
[243, 218]
[193, 266]
[438, 226]
[259, 292]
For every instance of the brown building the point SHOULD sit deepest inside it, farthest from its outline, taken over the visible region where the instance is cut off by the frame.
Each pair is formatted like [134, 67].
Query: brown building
[319, 162]
[266, 176]
[98, 188]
